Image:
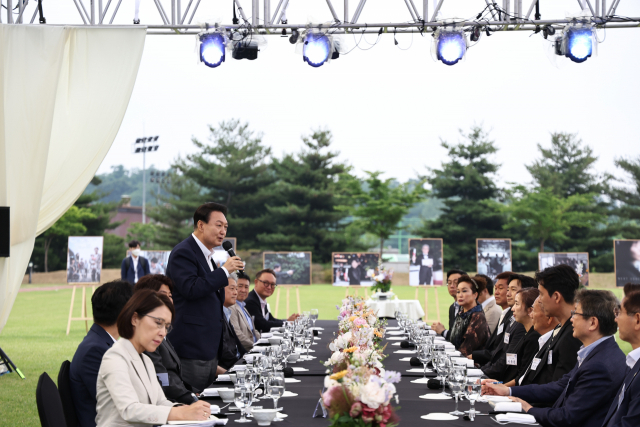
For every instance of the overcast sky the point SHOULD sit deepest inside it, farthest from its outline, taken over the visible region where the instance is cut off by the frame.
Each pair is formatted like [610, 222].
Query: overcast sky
[388, 108]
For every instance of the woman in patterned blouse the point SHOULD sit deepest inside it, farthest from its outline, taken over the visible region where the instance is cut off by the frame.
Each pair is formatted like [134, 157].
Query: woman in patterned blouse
[470, 329]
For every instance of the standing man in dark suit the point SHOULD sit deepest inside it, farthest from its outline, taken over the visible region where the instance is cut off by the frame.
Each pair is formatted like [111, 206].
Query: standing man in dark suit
[198, 295]
[256, 302]
[582, 396]
[107, 302]
[625, 409]
[134, 267]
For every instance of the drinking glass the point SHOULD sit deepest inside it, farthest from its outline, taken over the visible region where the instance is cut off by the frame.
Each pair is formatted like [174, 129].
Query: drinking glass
[472, 392]
[424, 355]
[314, 316]
[299, 341]
[275, 387]
[443, 366]
[457, 379]
[286, 351]
[308, 340]
[243, 397]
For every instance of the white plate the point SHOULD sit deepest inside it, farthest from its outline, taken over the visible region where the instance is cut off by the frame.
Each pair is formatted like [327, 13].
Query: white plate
[439, 416]
[421, 381]
[287, 393]
[435, 396]
[291, 380]
[405, 352]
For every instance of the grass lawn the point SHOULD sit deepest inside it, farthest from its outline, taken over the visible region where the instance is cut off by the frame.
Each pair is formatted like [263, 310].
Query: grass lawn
[34, 337]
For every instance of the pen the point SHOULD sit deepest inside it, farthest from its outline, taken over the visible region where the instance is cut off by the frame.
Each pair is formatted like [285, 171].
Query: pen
[496, 382]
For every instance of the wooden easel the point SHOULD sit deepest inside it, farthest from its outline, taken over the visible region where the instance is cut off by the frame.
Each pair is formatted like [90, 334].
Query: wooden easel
[357, 287]
[288, 287]
[426, 302]
[83, 306]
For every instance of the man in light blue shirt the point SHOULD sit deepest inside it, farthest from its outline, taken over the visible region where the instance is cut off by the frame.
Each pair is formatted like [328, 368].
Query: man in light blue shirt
[240, 318]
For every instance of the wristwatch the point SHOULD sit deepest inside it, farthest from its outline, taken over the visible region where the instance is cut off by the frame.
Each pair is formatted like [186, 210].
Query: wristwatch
[195, 398]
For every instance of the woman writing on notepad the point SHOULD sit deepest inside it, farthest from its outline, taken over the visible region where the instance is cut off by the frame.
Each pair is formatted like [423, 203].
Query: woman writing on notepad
[128, 391]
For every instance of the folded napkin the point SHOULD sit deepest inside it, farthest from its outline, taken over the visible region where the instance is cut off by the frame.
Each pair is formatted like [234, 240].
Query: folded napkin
[407, 359]
[396, 344]
[507, 407]
[452, 353]
[392, 328]
[493, 398]
[291, 380]
[211, 392]
[462, 361]
[516, 418]
[262, 341]
[297, 369]
[395, 338]
[266, 335]
[395, 333]
[418, 370]
[405, 352]
[474, 372]
[317, 328]
[212, 421]
[280, 329]
[223, 377]
[439, 338]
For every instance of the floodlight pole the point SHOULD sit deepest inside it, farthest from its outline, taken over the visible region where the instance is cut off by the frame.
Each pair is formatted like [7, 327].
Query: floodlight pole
[144, 181]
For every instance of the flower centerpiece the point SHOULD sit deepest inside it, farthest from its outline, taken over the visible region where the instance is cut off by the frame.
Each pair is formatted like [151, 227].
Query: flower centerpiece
[382, 279]
[359, 392]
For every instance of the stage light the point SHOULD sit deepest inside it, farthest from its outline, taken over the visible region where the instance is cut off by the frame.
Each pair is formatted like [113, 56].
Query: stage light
[294, 36]
[317, 49]
[212, 51]
[451, 45]
[576, 43]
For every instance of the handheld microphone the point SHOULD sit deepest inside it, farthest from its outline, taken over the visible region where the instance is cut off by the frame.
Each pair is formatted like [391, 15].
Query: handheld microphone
[228, 246]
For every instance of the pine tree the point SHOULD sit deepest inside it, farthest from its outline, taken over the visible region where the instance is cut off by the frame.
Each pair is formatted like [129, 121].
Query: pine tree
[466, 185]
[628, 196]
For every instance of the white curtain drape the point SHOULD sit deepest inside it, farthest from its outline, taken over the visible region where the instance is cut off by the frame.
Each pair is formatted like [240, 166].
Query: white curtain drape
[64, 92]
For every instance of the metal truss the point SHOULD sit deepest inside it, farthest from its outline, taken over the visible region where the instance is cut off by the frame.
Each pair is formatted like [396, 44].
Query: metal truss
[176, 17]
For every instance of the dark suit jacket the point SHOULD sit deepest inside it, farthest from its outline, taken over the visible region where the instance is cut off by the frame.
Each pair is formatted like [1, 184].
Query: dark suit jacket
[168, 370]
[497, 366]
[628, 413]
[526, 349]
[581, 397]
[425, 274]
[198, 295]
[564, 356]
[129, 274]
[482, 357]
[232, 349]
[355, 275]
[262, 324]
[83, 374]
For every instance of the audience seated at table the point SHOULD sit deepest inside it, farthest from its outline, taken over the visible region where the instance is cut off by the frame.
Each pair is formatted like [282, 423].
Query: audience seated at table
[256, 302]
[513, 331]
[240, 318]
[583, 396]
[491, 310]
[107, 302]
[625, 408]
[483, 356]
[231, 349]
[128, 392]
[452, 287]
[165, 359]
[470, 330]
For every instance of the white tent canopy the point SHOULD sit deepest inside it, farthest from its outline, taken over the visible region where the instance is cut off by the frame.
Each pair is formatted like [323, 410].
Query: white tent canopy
[64, 92]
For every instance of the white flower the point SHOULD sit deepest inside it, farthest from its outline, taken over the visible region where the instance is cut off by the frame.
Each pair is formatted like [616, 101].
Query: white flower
[372, 394]
[336, 357]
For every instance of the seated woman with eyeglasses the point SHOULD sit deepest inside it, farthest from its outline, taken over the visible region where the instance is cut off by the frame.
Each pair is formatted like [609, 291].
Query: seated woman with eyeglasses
[470, 329]
[128, 391]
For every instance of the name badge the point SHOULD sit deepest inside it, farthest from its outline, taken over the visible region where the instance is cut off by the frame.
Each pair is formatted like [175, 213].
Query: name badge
[512, 359]
[621, 396]
[535, 363]
[500, 329]
[506, 337]
[550, 358]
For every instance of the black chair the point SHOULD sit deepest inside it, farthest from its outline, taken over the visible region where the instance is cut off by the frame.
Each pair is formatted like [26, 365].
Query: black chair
[49, 404]
[64, 387]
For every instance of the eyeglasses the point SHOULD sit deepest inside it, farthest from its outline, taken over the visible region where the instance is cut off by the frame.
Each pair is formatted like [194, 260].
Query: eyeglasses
[617, 312]
[161, 323]
[267, 284]
[573, 313]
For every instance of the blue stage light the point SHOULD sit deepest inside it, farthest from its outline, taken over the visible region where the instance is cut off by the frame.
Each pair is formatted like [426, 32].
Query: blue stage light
[316, 50]
[451, 47]
[212, 51]
[579, 44]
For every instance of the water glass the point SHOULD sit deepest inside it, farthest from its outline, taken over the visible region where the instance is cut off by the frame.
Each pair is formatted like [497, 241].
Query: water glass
[243, 397]
[472, 392]
[424, 355]
[457, 379]
[314, 316]
[275, 388]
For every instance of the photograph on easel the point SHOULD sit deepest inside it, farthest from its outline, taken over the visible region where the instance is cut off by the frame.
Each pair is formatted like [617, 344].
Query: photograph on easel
[579, 261]
[425, 262]
[220, 256]
[493, 256]
[291, 268]
[626, 257]
[84, 259]
[351, 268]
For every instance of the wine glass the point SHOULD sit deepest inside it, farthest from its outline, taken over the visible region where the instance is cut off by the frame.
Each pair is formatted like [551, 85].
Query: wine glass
[286, 351]
[314, 316]
[424, 355]
[472, 392]
[308, 340]
[299, 341]
[243, 397]
[275, 387]
[456, 383]
[443, 366]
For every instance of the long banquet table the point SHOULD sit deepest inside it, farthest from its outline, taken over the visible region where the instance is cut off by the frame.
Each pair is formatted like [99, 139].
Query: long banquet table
[300, 408]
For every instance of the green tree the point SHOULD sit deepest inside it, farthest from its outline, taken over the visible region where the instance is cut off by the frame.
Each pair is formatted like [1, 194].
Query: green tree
[627, 194]
[69, 224]
[547, 217]
[304, 204]
[466, 186]
[379, 208]
[146, 234]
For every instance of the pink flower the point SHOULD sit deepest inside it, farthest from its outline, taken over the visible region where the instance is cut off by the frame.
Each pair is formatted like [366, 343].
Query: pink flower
[356, 409]
[367, 414]
[326, 397]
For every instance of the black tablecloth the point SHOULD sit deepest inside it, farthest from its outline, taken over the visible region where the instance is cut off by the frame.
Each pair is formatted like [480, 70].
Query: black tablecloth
[301, 407]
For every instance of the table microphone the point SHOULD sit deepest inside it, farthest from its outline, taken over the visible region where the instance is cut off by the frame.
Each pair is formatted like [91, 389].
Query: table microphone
[228, 246]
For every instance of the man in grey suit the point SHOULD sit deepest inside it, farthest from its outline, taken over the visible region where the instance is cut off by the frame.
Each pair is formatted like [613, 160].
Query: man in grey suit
[492, 311]
[241, 320]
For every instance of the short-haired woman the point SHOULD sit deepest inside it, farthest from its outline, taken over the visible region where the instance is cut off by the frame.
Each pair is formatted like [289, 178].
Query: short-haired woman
[128, 392]
[470, 329]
